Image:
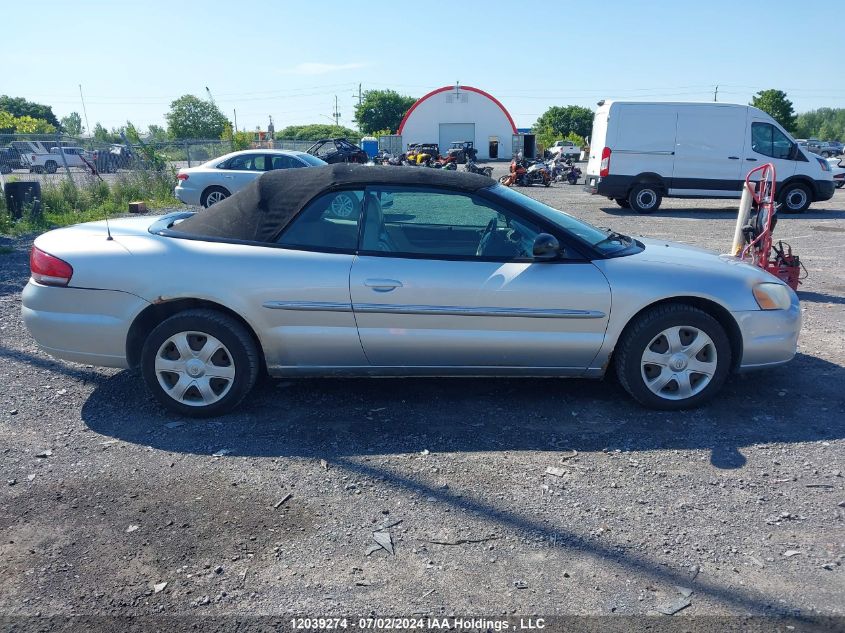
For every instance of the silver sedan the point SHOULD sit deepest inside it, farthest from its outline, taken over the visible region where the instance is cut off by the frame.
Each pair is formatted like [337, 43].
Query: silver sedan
[219, 178]
[456, 276]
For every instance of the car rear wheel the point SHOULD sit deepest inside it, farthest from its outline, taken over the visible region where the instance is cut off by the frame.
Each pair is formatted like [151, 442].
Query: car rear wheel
[645, 198]
[199, 363]
[343, 205]
[213, 195]
[795, 199]
[673, 356]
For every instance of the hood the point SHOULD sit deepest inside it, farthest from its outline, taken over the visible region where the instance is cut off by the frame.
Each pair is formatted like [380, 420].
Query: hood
[684, 255]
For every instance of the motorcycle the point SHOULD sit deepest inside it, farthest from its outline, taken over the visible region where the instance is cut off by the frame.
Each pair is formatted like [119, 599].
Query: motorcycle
[472, 167]
[573, 174]
[517, 174]
[537, 173]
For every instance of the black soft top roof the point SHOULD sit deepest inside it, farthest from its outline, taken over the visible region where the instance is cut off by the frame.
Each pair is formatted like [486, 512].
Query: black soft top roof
[266, 205]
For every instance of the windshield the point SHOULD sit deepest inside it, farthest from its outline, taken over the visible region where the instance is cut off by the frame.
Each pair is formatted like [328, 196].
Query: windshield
[311, 160]
[604, 240]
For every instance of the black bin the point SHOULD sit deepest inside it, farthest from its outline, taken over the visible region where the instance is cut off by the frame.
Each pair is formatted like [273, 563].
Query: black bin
[23, 195]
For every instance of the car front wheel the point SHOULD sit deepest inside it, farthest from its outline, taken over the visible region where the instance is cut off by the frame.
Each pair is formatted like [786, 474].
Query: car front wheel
[796, 199]
[673, 356]
[200, 363]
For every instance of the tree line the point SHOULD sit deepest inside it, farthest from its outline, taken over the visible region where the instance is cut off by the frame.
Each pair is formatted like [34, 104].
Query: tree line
[379, 112]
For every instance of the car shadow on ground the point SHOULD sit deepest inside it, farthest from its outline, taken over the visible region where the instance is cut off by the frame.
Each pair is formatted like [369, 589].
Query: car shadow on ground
[820, 297]
[728, 213]
[346, 421]
[333, 418]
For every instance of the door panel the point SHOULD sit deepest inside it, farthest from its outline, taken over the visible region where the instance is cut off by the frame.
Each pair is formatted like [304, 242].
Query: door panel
[709, 147]
[474, 313]
[306, 318]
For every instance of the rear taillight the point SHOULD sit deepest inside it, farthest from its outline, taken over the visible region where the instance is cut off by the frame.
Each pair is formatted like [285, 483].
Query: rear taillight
[604, 168]
[181, 176]
[824, 164]
[49, 270]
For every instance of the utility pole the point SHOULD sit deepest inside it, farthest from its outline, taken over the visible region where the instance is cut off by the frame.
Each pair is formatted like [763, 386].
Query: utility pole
[235, 111]
[84, 111]
[336, 114]
[210, 97]
[716, 94]
[360, 95]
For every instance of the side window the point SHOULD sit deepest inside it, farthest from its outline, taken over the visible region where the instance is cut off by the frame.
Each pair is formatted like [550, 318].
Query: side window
[438, 223]
[246, 162]
[285, 162]
[329, 223]
[766, 139]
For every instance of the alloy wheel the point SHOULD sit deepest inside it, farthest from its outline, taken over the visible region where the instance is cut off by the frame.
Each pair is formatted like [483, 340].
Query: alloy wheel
[214, 197]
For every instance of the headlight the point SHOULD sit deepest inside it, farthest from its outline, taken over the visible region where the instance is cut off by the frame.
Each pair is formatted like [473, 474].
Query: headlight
[772, 296]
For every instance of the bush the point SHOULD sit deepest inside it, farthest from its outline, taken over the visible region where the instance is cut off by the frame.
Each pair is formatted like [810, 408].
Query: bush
[65, 203]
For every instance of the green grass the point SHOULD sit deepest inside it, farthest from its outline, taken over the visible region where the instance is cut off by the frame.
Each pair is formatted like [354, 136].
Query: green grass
[64, 203]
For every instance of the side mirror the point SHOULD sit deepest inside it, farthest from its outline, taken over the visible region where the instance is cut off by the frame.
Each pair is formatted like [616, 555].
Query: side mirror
[546, 247]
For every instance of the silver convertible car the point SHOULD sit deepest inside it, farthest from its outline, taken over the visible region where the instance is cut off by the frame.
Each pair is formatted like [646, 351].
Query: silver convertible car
[457, 275]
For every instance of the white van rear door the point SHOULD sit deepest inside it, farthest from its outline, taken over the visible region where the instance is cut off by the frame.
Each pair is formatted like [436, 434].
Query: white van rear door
[645, 140]
[709, 151]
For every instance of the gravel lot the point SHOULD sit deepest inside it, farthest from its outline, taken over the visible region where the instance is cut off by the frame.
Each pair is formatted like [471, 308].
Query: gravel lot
[109, 506]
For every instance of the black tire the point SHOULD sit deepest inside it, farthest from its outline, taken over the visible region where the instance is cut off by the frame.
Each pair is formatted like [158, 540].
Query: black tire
[645, 198]
[825, 154]
[238, 343]
[37, 169]
[795, 198]
[641, 332]
[213, 190]
[51, 167]
[623, 202]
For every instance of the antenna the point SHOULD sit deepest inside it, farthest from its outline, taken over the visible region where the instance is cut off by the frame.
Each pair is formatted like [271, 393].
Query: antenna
[84, 111]
[108, 230]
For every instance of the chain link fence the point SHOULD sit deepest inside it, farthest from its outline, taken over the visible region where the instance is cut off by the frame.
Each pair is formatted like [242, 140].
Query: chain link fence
[53, 173]
[53, 158]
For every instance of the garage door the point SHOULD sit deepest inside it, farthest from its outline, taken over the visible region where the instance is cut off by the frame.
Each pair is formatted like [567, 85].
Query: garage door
[451, 132]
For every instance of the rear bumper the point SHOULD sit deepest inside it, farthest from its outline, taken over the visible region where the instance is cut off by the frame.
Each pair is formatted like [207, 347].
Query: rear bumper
[769, 337]
[609, 186]
[824, 190]
[81, 325]
[187, 195]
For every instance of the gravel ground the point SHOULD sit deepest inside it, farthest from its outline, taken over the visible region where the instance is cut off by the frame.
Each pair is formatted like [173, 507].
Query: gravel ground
[500, 496]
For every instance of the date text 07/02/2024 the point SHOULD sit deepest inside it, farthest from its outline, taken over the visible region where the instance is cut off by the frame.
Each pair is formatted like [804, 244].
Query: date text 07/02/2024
[417, 623]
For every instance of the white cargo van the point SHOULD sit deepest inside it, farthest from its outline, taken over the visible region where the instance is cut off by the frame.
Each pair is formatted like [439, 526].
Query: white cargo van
[643, 152]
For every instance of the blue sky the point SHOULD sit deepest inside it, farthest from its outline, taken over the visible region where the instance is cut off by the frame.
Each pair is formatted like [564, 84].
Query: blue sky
[290, 59]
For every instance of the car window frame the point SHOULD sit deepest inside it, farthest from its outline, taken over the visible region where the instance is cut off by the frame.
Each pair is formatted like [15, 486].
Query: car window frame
[488, 200]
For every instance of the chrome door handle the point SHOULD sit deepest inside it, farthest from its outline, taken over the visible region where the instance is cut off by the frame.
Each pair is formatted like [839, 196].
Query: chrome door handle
[382, 285]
